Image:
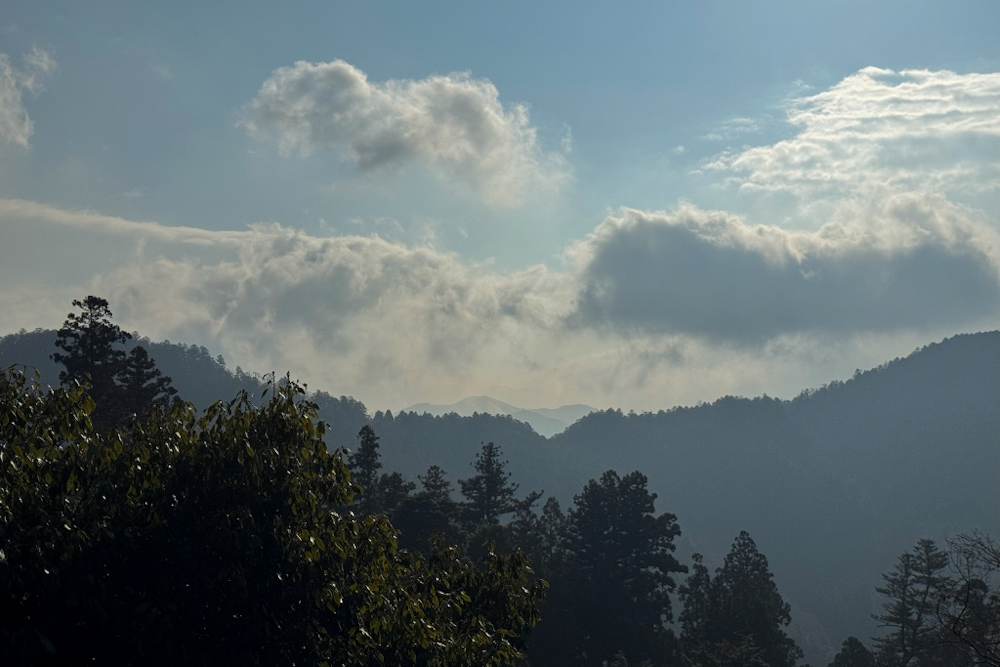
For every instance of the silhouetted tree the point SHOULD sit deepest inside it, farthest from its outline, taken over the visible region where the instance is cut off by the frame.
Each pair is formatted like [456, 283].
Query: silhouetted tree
[93, 356]
[614, 595]
[853, 654]
[550, 557]
[364, 464]
[912, 592]
[736, 617]
[969, 616]
[430, 514]
[390, 492]
[525, 529]
[435, 482]
[490, 493]
[141, 384]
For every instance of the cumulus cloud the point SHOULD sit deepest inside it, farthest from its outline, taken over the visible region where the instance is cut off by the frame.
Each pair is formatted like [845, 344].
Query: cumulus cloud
[454, 123]
[283, 280]
[908, 261]
[914, 129]
[15, 124]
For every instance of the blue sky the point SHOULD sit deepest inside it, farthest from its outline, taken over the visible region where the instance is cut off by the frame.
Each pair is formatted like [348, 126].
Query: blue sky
[634, 205]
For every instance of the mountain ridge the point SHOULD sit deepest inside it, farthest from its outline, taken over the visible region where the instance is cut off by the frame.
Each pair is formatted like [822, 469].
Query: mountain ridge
[545, 421]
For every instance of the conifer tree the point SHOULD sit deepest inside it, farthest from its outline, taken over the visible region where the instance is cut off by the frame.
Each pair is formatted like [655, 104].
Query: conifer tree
[912, 592]
[435, 483]
[428, 515]
[92, 355]
[364, 465]
[612, 592]
[490, 492]
[141, 382]
[737, 617]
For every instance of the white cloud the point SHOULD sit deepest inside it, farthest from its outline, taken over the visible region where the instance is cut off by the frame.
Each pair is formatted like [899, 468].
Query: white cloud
[911, 130]
[453, 123]
[909, 261]
[15, 124]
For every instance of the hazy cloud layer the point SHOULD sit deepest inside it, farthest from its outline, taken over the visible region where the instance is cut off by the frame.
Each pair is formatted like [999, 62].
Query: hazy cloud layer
[15, 124]
[914, 129]
[349, 313]
[651, 295]
[453, 123]
[910, 261]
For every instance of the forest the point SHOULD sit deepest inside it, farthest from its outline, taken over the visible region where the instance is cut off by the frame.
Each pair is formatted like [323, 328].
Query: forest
[156, 507]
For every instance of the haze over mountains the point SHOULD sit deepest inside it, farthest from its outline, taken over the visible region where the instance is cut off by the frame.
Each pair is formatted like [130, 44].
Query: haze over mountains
[832, 484]
[545, 421]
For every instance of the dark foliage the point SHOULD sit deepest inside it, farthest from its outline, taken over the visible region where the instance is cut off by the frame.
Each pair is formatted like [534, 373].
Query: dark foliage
[736, 617]
[610, 594]
[214, 540]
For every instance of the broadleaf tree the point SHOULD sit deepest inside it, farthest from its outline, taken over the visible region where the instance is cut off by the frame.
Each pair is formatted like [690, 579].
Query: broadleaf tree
[217, 539]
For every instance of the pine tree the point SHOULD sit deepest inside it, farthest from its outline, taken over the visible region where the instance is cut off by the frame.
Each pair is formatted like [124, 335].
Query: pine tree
[390, 493]
[93, 356]
[428, 515]
[364, 464]
[737, 617]
[912, 593]
[490, 493]
[141, 382]
[435, 483]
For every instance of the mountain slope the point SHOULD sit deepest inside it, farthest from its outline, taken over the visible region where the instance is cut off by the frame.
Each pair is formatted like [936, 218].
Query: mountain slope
[834, 484]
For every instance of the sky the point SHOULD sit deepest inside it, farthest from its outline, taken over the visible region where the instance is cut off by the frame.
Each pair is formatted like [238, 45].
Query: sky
[634, 205]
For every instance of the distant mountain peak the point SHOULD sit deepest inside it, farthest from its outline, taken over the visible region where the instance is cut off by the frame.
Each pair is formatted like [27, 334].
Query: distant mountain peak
[545, 421]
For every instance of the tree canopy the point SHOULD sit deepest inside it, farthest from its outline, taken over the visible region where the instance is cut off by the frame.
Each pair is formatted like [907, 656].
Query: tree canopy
[216, 539]
[613, 593]
[738, 616]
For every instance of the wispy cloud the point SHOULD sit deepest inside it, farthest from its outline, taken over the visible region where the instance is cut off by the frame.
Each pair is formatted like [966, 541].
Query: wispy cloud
[454, 124]
[15, 124]
[19, 209]
[914, 129]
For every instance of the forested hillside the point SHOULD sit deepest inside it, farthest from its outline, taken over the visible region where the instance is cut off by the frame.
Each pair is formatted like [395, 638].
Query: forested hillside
[833, 484]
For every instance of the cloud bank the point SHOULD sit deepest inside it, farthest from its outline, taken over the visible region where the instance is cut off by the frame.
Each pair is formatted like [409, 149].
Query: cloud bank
[640, 309]
[913, 261]
[454, 124]
[15, 124]
[357, 314]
